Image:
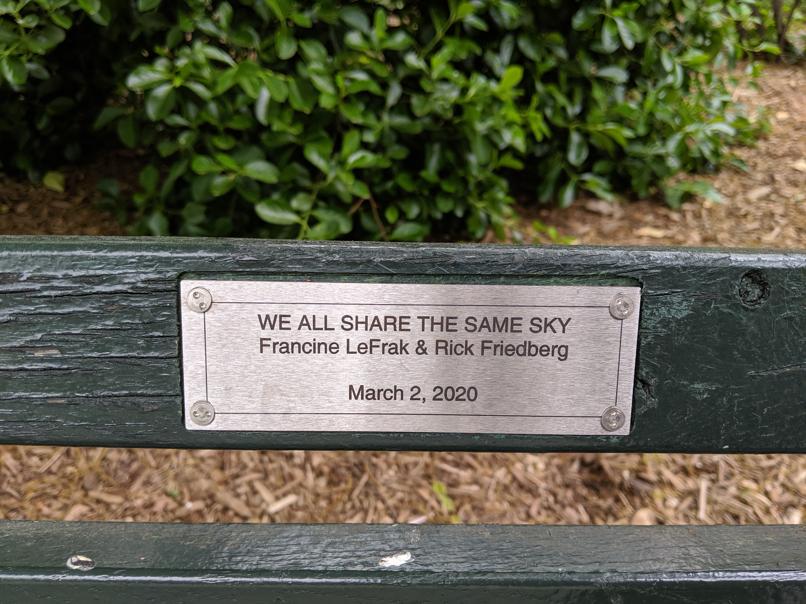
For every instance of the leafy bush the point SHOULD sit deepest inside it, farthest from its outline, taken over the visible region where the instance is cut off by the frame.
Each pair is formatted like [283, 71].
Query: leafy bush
[377, 119]
[56, 74]
[765, 27]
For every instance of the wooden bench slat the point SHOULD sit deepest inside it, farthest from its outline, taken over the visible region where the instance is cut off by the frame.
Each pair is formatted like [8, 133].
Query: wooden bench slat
[89, 353]
[343, 563]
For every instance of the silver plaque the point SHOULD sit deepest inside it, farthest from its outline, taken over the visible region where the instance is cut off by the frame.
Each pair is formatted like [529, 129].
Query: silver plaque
[383, 357]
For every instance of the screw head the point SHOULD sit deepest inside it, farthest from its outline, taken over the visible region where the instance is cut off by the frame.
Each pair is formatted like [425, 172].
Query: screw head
[199, 300]
[79, 562]
[202, 413]
[612, 419]
[621, 307]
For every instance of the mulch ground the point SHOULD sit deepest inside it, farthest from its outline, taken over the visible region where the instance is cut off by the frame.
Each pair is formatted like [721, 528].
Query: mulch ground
[764, 207]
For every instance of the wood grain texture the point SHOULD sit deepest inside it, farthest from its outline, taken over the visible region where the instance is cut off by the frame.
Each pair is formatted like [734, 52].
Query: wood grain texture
[342, 563]
[89, 338]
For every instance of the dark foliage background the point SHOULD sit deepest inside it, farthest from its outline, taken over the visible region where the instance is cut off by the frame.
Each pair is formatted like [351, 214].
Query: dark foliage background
[376, 119]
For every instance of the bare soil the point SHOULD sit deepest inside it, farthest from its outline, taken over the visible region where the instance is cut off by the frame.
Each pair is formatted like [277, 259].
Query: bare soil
[764, 207]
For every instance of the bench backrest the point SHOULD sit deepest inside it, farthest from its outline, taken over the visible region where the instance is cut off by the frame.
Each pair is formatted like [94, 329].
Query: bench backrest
[91, 351]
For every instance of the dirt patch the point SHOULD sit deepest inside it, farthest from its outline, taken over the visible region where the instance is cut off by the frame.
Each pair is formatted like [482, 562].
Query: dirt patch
[763, 208]
[28, 209]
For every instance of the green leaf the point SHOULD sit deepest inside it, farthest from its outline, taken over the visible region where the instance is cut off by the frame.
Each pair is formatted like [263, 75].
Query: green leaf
[695, 57]
[379, 26]
[29, 21]
[332, 223]
[391, 214]
[285, 43]
[262, 106]
[301, 95]
[157, 223]
[275, 213]
[318, 152]
[103, 16]
[313, 51]
[13, 71]
[109, 187]
[147, 5]
[149, 179]
[160, 101]
[609, 36]
[227, 162]
[302, 202]
[768, 47]
[279, 8]
[323, 230]
[350, 143]
[365, 159]
[221, 184]
[355, 18]
[627, 38]
[203, 164]
[585, 18]
[511, 77]
[567, 194]
[394, 93]
[90, 6]
[614, 73]
[216, 54]
[146, 76]
[200, 89]
[54, 181]
[107, 116]
[360, 189]
[277, 86]
[597, 185]
[63, 20]
[45, 39]
[127, 131]
[577, 149]
[678, 192]
[399, 40]
[263, 171]
[465, 9]
[409, 231]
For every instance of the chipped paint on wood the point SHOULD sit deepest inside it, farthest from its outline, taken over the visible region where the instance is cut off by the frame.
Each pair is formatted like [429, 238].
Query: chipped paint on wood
[395, 560]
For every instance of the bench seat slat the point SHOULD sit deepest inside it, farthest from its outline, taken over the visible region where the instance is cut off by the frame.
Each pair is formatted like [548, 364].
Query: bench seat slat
[351, 563]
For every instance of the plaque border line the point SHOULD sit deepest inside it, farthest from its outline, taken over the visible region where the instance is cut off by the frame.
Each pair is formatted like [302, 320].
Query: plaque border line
[618, 364]
[360, 414]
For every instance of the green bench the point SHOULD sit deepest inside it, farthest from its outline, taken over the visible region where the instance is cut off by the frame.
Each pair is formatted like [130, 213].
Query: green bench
[97, 341]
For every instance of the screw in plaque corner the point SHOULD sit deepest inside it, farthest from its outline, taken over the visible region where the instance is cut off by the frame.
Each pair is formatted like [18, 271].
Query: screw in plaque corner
[202, 413]
[621, 307]
[612, 419]
[199, 300]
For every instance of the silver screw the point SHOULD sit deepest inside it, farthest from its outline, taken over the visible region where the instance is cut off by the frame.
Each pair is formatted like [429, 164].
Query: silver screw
[612, 419]
[202, 413]
[79, 562]
[199, 300]
[621, 307]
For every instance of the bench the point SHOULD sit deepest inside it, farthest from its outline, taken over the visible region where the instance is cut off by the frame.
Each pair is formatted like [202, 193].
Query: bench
[97, 349]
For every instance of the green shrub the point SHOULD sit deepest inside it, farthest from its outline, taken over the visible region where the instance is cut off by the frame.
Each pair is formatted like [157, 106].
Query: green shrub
[377, 119]
[60, 61]
[766, 26]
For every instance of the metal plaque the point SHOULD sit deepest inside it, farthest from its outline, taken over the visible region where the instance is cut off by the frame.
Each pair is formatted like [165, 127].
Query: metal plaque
[383, 357]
